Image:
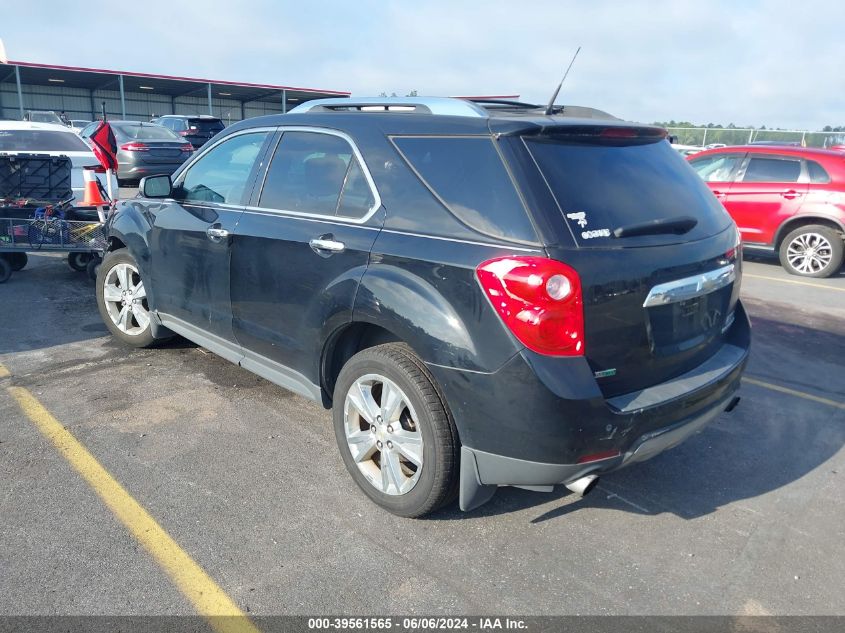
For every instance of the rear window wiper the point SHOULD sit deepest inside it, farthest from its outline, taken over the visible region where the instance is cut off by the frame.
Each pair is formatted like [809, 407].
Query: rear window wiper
[677, 226]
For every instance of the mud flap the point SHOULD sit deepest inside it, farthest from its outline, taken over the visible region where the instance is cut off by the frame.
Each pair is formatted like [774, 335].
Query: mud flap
[472, 492]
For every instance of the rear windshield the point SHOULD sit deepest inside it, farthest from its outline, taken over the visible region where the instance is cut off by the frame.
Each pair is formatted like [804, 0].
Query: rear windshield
[206, 125]
[468, 176]
[604, 186]
[40, 141]
[148, 132]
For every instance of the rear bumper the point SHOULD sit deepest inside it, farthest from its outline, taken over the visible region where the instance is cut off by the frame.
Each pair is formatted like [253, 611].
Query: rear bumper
[129, 171]
[516, 430]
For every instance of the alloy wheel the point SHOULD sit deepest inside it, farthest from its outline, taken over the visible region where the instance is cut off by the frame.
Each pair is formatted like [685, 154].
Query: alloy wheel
[383, 435]
[126, 299]
[809, 253]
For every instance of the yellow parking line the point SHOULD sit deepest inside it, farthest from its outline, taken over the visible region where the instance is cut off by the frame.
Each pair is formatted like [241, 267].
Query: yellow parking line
[208, 598]
[792, 281]
[4, 373]
[793, 392]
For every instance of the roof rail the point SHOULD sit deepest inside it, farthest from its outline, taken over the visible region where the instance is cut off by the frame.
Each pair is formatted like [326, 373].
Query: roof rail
[419, 105]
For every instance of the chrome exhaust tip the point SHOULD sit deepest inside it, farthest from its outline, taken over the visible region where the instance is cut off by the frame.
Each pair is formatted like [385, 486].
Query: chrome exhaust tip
[583, 486]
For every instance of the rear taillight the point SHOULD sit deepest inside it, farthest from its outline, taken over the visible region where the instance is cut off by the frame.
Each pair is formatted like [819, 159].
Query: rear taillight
[539, 300]
[135, 147]
[184, 132]
[187, 147]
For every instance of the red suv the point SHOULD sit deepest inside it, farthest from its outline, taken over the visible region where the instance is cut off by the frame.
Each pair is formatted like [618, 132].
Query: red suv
[785, 200]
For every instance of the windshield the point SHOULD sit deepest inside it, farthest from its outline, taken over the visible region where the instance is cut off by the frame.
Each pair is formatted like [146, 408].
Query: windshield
[144, 132]
[40, 141]
[602, 186]
[45, 117]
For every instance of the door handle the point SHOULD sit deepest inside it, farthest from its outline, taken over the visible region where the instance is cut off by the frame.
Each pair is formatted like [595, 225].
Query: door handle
[720, 195]
[790, 194]
[216, 234]
[325, 245]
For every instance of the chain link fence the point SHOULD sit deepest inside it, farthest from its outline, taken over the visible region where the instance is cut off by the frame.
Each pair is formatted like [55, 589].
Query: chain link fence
[703, 136]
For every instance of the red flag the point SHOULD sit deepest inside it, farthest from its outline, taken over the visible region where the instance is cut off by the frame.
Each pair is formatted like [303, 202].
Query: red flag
[105, 146]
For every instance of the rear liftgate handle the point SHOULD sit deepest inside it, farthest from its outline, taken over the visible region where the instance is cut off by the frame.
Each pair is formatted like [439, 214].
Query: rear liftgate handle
[326, 245]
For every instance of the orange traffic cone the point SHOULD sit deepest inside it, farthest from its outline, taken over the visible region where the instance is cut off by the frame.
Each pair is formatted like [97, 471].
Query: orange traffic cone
[93, 196]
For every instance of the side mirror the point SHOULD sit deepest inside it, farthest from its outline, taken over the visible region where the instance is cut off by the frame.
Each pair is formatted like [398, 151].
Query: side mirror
[156, 187]
[673, 139]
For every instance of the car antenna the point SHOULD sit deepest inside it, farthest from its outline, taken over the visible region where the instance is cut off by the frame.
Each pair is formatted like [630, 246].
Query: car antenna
[551, 107]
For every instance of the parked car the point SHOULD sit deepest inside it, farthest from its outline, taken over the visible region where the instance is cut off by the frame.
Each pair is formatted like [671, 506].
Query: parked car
[197, 129]
[787, 201]
[24, 137]
[43, 116]
[79, 124]
[144, 149]
[482, 298]
[778, 143]
[687, 150]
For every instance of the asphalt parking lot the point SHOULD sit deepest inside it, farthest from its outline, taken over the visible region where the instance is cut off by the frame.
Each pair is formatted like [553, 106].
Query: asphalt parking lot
[744, 518]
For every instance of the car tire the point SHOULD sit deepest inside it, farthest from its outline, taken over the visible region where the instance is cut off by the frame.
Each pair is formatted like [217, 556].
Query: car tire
[121, 299]
[417, 441]
[812, 251]
[5, 269]
[79, 261]
[17, 261]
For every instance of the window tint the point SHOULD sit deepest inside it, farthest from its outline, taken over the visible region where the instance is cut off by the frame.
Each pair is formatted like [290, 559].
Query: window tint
[772, 170]
[716, 167]
[357, 198]
[88, 130]
[222, 174]
[308, 173]
[468, 175]
[817, 172]
[143, 132]
[603, 186]
[205, 126]
[41, 141]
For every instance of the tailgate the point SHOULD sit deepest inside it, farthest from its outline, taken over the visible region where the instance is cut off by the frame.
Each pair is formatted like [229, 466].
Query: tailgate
[655, 252]
[652, 314]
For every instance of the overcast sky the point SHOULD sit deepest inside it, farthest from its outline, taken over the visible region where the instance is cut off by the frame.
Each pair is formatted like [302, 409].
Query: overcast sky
[777, 63]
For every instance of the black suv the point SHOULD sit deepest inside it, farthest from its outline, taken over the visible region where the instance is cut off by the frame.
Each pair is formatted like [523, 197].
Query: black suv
[483, 297]
[197, 129]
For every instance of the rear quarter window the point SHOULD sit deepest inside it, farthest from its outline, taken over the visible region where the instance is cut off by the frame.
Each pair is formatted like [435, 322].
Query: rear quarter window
[763, 169]
[818, 175]
[468, 176]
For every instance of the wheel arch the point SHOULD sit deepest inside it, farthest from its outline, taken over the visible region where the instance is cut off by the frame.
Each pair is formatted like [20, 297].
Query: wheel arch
[342, 345]
[805, 220]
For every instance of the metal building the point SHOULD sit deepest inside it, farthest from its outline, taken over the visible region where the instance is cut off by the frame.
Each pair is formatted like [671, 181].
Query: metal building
[81, 92]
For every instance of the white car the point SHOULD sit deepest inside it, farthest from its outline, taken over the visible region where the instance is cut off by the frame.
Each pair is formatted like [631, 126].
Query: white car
[26, 137]
[687, 150]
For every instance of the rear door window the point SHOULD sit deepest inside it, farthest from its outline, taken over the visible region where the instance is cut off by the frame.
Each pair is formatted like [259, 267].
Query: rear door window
[602, 186]
[468, 176]
[316, 173]
[772, 169]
